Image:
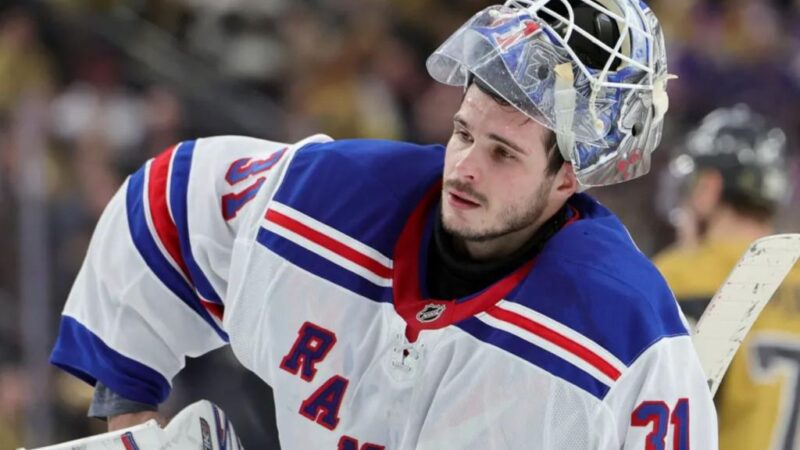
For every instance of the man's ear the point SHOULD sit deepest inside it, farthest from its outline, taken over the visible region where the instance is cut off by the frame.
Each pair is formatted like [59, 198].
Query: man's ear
[566, 182]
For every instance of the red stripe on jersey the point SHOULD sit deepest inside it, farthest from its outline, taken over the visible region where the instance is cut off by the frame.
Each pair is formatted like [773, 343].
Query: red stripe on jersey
[556, 338]
[329, 243]
[574, 216]
[215, 309]
[159, 211]
[128, 442]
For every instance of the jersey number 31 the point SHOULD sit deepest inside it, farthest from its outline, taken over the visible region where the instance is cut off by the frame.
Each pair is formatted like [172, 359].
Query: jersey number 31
[246, 169]
[656, 414]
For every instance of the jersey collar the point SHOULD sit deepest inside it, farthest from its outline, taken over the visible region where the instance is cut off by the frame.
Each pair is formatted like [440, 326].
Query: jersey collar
[422, 313]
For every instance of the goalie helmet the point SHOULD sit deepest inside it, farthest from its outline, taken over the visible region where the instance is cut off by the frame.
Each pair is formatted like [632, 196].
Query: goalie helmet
[747, 150]
[593, 71]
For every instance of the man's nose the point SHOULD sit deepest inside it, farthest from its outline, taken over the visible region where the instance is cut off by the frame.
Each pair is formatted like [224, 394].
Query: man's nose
[468, 166]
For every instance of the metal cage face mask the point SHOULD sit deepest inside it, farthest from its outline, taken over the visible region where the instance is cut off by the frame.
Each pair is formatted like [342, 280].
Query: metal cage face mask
[603, 96]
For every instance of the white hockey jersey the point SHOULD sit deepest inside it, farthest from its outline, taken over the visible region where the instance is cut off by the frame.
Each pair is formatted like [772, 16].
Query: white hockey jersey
[310, 260]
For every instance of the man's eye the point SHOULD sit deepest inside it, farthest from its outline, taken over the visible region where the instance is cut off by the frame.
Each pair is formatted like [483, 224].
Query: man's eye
[462, 135]
[503, 153]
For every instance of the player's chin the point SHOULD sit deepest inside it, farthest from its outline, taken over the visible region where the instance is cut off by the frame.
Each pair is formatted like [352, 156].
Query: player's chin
[460, 222]
[454, 217]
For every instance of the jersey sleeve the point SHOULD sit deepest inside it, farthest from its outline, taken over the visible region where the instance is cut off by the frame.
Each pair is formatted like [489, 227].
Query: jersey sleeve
[151, 289]
[663, 402]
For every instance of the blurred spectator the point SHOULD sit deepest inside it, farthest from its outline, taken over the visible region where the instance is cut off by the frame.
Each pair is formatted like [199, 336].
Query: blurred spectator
[12, 404]
[330, 86]
[7, 170]
[8, 243]
[433, 112]
[245, 45]
[94, 170]
[99, 107]
[164, 122]
[24, 64]
[398, 60]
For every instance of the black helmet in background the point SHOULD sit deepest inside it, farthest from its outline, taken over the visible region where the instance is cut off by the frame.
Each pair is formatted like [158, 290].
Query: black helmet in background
[748, 152]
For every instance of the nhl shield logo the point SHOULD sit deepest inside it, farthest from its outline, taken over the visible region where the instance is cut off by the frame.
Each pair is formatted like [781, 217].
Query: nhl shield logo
[430, 312]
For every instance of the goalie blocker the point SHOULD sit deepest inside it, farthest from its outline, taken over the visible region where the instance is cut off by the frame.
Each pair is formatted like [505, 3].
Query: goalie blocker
[199, 426]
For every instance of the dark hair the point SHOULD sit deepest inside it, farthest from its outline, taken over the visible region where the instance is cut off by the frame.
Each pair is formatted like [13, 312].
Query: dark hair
[745, 202]
[750, 208]
[554, 158]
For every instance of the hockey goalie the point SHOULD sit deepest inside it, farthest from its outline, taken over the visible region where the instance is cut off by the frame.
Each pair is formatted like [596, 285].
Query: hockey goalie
[403, 296]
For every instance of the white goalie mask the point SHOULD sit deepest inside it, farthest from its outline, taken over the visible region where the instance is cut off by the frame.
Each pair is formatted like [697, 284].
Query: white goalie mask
[594, 72]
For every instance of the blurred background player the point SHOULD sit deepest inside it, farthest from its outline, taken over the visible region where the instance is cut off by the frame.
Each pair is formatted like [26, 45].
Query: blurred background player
[733, 178]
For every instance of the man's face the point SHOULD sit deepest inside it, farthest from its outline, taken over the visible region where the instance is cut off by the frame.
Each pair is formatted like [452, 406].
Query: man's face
[495, 171]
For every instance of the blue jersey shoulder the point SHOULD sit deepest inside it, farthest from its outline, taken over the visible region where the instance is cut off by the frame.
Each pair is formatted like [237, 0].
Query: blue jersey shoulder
[592, 278]
[362, 187]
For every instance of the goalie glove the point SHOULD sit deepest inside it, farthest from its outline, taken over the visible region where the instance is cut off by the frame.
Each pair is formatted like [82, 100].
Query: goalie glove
[199, 426]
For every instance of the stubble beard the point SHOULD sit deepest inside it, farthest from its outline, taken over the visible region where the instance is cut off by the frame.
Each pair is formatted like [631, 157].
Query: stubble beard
[511, 219]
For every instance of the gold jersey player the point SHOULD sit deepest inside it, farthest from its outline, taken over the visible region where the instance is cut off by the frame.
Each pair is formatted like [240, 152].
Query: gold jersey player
[734, 178]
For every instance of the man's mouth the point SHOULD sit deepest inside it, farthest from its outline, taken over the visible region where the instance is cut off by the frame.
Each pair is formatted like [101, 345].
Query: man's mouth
[460, 200]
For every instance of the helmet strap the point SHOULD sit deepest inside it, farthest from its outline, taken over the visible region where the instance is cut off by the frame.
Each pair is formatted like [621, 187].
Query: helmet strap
[660, 99]
[565, 109]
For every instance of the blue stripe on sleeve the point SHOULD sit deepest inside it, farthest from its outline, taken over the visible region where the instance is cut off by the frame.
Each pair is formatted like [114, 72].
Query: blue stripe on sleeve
[155, 260]
[83, 354]
[178, 199]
